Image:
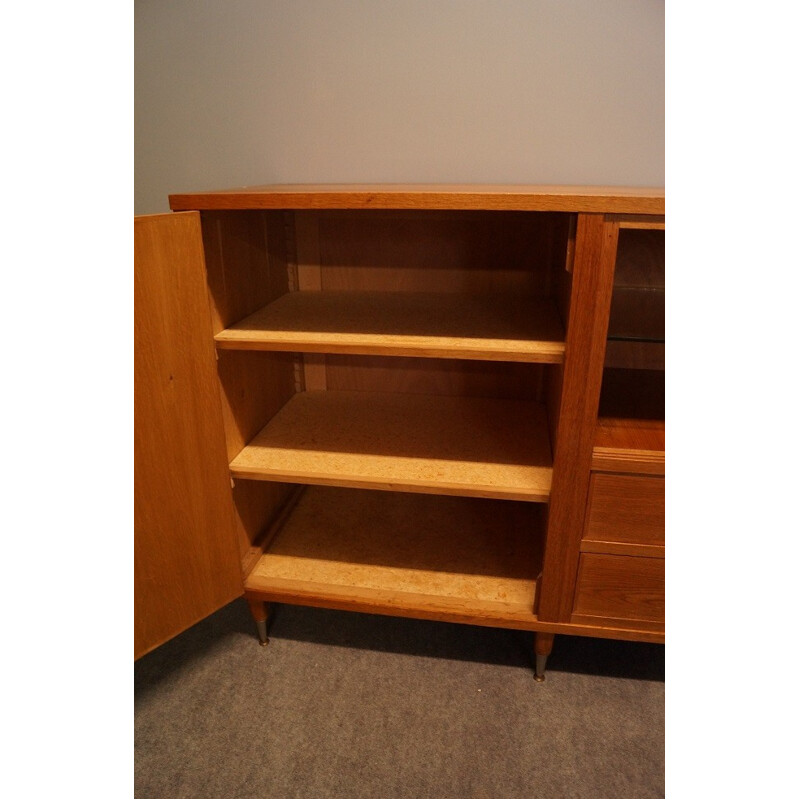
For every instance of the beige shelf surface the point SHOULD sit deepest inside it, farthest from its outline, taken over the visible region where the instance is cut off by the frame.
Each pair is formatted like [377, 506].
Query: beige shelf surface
[486, 327]
[419, 443]
[435, 557]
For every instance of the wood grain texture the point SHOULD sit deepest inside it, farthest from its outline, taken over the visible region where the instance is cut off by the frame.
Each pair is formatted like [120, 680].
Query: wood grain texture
[481, 327]
[444, 252]
[454, 555]
[417, 443]
[637, 305]
[498, 197]
[314, 596]
[635, 355]
[259, 610]
[553, 383]
[306, 228]
[592, 282]
[506, 380]
[640, 222]
[562, 295]
[186, 560]
[625, 509]
[262, 541]
[315, 372]
[629, 445]
[246, 263]
[640, 261]
[414, 240]
[624, 549]
[620, 587]
[648, 630]
[309, 283]
[257, 503]
[543, 644]
[255, 386]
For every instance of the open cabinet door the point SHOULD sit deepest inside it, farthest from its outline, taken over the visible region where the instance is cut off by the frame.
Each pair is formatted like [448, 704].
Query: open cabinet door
[187, 563]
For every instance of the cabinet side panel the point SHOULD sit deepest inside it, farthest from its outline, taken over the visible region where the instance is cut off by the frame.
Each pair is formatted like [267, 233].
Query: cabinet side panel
[186, 560]
[554, 380]
[246, 261]
[255, 386]
[257, 504]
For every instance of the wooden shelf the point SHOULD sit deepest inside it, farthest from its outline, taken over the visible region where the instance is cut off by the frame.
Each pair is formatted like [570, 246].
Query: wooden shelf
[458, 559]
[485, 327]
[418, 443]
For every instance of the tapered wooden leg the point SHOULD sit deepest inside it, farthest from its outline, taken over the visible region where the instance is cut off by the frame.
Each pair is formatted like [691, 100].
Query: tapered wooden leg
[542, 647]
[260, 611]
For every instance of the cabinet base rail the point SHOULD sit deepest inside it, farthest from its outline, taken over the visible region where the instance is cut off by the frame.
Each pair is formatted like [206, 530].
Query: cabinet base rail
[533, 624]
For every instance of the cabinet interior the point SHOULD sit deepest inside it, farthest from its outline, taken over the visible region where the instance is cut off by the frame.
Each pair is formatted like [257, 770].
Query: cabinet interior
[630, 425]
[633, 378]
[414, 352]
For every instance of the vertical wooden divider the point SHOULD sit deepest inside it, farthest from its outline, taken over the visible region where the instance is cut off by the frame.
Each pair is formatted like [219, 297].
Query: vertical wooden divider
[589, 307]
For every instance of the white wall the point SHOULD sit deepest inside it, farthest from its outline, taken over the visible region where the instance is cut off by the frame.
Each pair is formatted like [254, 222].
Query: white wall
[236, 92]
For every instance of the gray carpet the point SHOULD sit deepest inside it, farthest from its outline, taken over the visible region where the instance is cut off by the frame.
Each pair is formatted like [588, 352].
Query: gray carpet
[356, 706]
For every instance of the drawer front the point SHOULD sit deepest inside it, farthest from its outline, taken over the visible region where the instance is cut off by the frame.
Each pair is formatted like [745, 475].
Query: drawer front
[620, 587]
[626, 510]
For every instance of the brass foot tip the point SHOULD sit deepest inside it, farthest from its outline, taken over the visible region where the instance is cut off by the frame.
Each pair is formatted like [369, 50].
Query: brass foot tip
[264, 643]
[539, 678]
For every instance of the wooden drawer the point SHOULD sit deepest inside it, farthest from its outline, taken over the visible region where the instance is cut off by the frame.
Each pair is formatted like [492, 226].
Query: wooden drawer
[625, 515]
[620, 588]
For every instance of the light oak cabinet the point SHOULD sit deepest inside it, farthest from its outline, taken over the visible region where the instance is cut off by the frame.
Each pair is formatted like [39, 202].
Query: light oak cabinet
[436, 402]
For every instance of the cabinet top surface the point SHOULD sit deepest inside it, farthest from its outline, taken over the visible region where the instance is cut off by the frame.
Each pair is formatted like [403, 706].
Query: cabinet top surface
[487, 197]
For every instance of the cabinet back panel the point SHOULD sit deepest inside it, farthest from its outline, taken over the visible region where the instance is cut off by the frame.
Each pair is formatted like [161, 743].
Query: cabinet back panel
[637, 305]
[640, 260]
[467, 252]
[506, 380]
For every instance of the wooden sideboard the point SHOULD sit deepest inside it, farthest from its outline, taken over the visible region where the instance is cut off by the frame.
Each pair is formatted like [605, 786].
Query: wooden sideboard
[442, 402]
